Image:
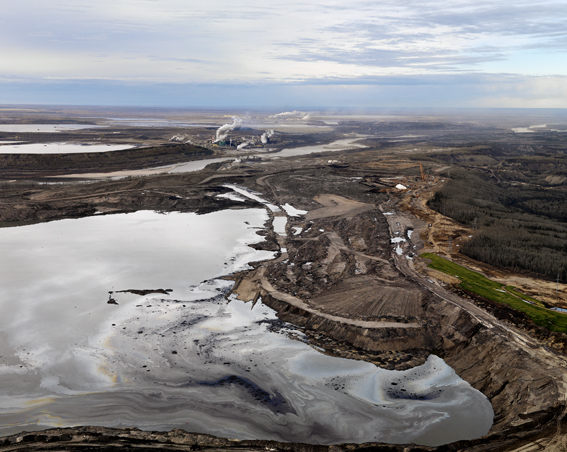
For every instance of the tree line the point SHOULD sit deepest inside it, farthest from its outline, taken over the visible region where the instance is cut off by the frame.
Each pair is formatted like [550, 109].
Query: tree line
[520, 227]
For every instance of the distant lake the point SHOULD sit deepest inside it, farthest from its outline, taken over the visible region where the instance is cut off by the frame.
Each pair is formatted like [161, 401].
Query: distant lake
[165, 123]
[44, 128]
[335, 146]
[59, 148]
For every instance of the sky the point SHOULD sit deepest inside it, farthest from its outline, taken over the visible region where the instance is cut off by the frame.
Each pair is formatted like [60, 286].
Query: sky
[293, 54]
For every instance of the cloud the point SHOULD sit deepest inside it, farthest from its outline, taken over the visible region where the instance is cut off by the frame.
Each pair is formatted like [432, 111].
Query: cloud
[254, 44]
[454, 37]
[181, 60]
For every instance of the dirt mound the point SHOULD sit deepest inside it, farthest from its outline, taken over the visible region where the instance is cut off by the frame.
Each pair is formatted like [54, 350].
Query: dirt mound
[368, 298]
[336, 206]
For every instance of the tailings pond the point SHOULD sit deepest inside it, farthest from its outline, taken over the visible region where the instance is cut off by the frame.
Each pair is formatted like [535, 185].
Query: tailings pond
[123, 320]
[59, 148]
[44, 128]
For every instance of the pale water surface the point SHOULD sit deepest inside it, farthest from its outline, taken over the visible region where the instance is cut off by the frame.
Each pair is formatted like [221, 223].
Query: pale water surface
[335, 146]
[44, 128]
[60, 148]
[197, 165]
[191, 359]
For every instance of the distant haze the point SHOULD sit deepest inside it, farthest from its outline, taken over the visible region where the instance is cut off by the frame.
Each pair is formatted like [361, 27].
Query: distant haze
[293, 54]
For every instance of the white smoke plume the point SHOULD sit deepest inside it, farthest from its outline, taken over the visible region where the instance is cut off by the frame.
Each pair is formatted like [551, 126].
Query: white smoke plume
[178, 138]
[266, 136]
[242, 145]
[223, 131]
[293, 113]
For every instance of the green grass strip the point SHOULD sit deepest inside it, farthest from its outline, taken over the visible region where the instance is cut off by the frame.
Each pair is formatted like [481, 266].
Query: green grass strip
[522, 296]
[481, 285]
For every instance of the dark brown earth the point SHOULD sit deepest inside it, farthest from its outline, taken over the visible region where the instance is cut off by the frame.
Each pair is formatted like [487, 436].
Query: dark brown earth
[519, 372]
[106, 439]
[46, 165]
[145, 291]
[352, 294]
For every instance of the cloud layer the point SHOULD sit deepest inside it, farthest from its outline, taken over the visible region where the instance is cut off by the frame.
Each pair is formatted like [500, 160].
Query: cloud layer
[252, 43]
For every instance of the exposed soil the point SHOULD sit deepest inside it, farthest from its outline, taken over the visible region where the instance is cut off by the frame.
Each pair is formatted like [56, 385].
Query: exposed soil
[343, 282]
[18, 166]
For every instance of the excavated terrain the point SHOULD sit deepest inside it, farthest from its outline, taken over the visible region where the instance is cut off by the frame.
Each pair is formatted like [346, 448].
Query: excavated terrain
[343, 281]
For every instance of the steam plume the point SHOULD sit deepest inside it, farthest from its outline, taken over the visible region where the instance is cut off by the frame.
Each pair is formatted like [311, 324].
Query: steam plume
[178, 138]
[294, 113]
[266, 136]
[223, 131]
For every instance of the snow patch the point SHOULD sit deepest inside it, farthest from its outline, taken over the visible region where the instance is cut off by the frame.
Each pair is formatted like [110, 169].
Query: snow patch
[292, 211]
